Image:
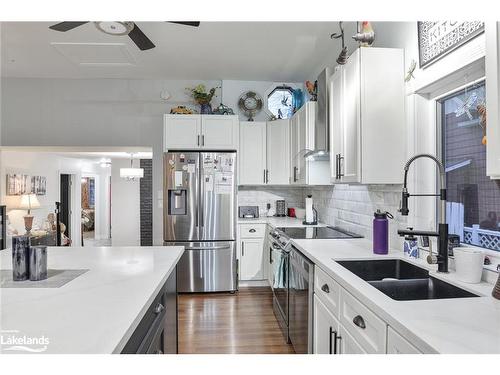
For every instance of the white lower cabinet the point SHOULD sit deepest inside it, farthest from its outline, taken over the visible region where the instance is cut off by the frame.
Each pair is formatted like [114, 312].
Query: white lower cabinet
[367, 328]
[347, 343]
[397, 344]
[251, 252]
[344, 325]
[325, 329]
[251, 259]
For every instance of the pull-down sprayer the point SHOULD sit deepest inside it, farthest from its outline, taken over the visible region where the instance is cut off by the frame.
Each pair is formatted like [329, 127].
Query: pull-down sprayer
[442, 232]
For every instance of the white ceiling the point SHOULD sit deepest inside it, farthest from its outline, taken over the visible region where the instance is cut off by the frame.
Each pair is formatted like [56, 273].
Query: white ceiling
[274, 51]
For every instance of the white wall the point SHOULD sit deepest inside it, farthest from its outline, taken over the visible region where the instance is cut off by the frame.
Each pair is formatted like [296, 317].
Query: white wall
[49, 165]
[125, 207]
[94, 112]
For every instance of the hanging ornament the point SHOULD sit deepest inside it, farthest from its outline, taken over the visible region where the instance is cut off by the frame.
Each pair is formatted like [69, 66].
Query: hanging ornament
[366, 36]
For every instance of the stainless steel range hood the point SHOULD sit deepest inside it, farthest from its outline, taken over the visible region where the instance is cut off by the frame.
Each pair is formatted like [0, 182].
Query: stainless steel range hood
[321, 149]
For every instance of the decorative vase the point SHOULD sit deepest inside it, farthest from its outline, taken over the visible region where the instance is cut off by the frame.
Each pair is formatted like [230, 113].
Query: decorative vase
[206, 109]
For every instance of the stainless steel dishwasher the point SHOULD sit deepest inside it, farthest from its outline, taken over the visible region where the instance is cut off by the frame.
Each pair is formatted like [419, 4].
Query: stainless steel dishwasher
[300, 302]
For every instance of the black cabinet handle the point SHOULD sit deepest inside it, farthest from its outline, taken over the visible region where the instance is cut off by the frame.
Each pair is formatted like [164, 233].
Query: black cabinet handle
[325, 288]
[341, 174]
[252, 230]
[337, 166]
[359, 321]
[294, 174]
[332, 348]
[267, 176]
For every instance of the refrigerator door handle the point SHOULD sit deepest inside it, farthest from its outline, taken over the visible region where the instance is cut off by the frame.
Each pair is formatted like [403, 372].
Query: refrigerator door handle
[208, 248]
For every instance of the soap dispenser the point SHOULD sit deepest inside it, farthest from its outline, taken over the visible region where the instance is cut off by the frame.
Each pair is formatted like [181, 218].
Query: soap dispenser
[410, 246]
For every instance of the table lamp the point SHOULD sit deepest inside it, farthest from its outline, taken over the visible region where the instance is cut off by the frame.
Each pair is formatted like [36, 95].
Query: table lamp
[29, 202]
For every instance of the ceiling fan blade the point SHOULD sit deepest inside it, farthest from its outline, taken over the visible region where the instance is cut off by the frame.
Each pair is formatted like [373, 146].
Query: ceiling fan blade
[140, 39]
[187, 23]
[66, 26]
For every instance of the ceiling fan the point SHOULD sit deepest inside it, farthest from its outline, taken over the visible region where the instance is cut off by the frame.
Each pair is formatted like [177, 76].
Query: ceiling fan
[120, 28]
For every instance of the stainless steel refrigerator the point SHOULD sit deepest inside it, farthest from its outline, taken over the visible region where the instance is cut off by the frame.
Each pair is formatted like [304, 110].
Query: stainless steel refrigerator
[200, 214]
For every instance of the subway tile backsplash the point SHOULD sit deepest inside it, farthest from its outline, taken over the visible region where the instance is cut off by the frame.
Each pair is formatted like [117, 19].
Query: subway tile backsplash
[350, 207]
[261, 195]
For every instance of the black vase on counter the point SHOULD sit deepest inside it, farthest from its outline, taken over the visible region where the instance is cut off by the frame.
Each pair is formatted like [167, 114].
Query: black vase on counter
[20, 258]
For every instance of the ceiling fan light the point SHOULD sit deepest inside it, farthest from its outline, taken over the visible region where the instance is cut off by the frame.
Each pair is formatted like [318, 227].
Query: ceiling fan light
[114, 27]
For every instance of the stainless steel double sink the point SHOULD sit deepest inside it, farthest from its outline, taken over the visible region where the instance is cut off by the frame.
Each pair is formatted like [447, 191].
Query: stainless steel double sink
[403, 281]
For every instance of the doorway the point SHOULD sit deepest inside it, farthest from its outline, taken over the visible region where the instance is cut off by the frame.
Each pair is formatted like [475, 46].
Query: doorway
[88, 204]
[65, 199]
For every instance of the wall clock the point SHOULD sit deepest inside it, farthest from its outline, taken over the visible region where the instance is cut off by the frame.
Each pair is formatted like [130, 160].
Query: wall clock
[250, 103]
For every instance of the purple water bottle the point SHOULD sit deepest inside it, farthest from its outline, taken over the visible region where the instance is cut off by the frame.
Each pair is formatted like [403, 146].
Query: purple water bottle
[381, 232]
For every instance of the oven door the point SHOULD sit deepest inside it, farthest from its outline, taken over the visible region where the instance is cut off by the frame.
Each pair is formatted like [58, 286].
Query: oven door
[280, 264]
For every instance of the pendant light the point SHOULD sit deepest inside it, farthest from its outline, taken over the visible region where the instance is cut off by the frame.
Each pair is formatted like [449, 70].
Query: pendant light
[132, 174]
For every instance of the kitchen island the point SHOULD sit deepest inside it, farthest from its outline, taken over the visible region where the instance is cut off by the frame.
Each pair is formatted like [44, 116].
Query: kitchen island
[99, 311]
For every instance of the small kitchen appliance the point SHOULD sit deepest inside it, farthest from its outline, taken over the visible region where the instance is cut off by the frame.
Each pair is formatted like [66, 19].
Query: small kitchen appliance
[248, 212]
[280, 208]
[381, 232]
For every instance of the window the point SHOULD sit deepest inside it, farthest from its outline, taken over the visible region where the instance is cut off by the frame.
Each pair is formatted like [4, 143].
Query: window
[473, 206]
[280, 102]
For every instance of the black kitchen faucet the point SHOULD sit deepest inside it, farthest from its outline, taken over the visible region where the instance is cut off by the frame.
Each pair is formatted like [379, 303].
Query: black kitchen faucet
[442, 231]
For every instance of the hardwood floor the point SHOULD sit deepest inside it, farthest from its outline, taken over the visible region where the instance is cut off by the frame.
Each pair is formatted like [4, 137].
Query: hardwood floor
[226, 323]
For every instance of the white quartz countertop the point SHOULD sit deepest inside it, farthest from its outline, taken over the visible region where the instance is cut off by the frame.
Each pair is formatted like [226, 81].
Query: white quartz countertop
[278, 222]
[98, 311]
[461, 325]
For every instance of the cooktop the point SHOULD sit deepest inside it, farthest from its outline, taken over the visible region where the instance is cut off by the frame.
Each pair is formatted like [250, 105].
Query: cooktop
[317, 233]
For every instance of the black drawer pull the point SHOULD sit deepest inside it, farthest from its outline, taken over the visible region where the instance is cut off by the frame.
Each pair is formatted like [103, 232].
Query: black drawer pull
[359, 321]
[333, 341]
[325, 288]
[159, 308]
[252, 230]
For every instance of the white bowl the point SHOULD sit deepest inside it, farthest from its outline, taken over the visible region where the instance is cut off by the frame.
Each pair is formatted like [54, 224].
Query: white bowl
[468, 264]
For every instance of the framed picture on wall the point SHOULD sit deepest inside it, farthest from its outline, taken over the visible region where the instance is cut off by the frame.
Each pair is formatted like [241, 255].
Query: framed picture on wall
[39, 185]
[437, 39]
[18, 184]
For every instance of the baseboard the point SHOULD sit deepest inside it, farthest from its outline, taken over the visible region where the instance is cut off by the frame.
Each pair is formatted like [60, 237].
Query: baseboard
[253, 283]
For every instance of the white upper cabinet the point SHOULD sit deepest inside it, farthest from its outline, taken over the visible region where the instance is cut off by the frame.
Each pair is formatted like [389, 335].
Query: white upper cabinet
[220, 132]
[264, 153]
[182, 131]
[278, 152]
[367, 118]
[252, 157]
[492, 30]
[302, 171]
[214, 132]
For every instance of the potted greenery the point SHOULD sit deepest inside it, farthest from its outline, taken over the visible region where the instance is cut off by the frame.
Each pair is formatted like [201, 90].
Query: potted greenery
[203, 98]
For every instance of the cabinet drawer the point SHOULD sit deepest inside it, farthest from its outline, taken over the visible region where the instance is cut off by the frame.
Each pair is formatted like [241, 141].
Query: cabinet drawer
[252, 230]
[397, 344]
[366, 327]
[327, 290]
